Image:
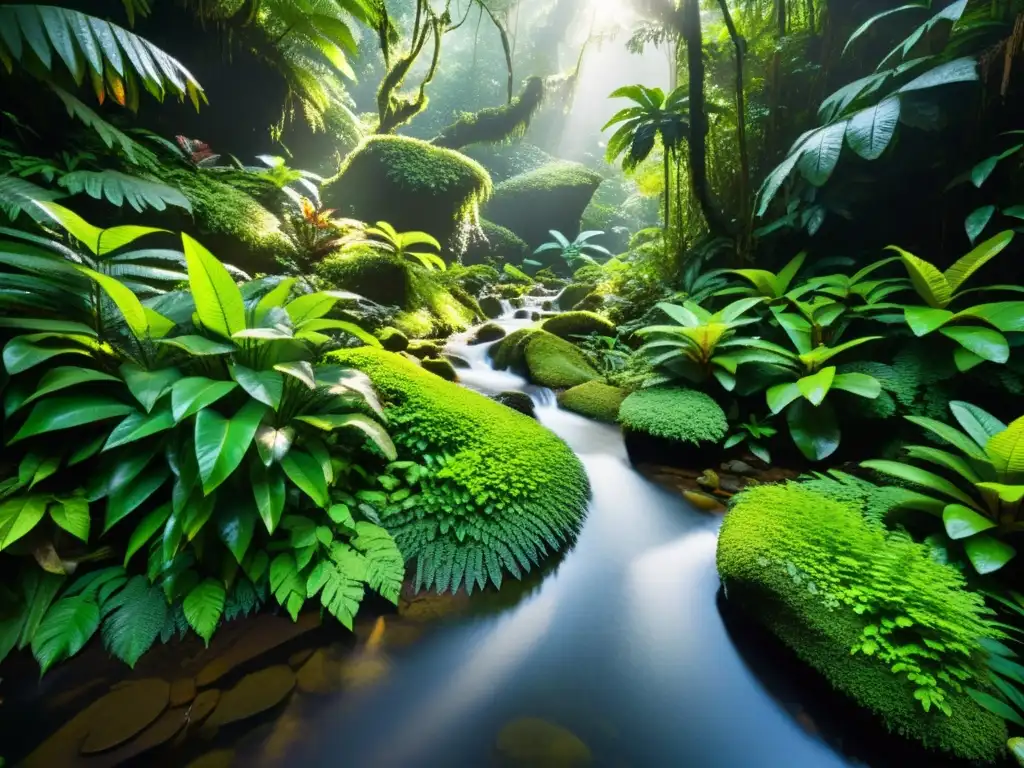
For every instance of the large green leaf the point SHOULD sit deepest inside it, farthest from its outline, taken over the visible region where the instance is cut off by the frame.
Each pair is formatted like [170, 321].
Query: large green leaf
[18, 516]
[305, 471]
[64, 377]
[68, 626]
[148, 386]
[191, 395]
[1006, 449]
[930, 284]
[72, 514]
[126, 500]
[145, 530]
[814, 429]
[961, 271]
[203, 608]
[857, 33]
[221, 443]
[264, 386]
[815, 387]
[924, 320]
[219, 303]
[57, 413]
[945, 459]
[870, 131]
[139, 426]
[977, 220]
[119, 188]
[986, 343]
[961, 522]
[858, 384]
[272, 443]
[976, 422]
[987, 553]
[268, 488]
[781, 395]
[951, 435]
[236, 521]
[373, 430]
[920, 477]
[23, 353]
[821, 153]
[962, 70]
[199, 346]
[127, 302]
[275, 297]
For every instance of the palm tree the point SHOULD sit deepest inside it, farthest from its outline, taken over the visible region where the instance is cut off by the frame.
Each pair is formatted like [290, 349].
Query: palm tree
[653, 115]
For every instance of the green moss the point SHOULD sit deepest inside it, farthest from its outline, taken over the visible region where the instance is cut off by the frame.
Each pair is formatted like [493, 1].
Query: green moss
[552, 197]
[595, 400]
[231, 220]
[375, 274]
[675, 414]
[393, 340]
[424, 349]
[578, 324]
[854, 603]
[475, 279]
[495, 124]
[496, 245]
[554, 362]
[515, 275]
[415, 325]
[503, 492]
[573, 294]
[504, 161]
[411, 184]
[450, 314]
[488, 333]
[440, 366]
[591, 303]
[510, 352]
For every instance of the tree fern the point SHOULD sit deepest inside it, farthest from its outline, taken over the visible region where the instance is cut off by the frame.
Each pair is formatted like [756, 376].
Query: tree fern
[45, 39]
[133, 619]
[120, 188]
[339, 582]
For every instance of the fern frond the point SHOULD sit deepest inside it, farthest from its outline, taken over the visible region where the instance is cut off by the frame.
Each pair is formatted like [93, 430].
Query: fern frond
[385, 565]
[133, 619]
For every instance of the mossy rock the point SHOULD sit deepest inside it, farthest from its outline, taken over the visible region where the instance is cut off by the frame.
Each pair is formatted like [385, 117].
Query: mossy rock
[493, 454]
[411, 184]
[370, 272]
[231, 218]
[573, 294]
[549, 198]
[792, 557]
[510, 352]
[442, 367]
[495, 243]
[424, 349]
[486, 334]
[555, 363]
[393, 340]
[491, 306]
[673, 425]
[591, 302]
[595, 400]
[476, 279]
[570, 324]
[510, 159]
[517, 401]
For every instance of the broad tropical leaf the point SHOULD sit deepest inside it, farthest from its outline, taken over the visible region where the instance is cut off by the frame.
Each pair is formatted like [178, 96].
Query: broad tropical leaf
[58, 413]
[870, 131]
[203, 607]
[68, 626]
[119, 188]
[221, 443]
[219, 303]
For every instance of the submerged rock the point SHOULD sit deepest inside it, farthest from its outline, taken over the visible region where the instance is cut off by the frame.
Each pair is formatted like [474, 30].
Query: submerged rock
[703, 501]
[166, 727]
[263, 633]
[320, 674]
[518, 401]
[219, 758]
[254, 693]
[183, 690]
[534, 743]
[123, 713]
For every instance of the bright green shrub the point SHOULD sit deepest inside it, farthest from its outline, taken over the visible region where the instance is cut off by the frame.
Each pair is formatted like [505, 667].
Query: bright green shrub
[555, 363]
[675, 414]
[393, 340]
[573, 294]
[552, 197]
[885, 623]
[440, 366]
[502, 492]
[411, 184]
[570, 324]
[595, 400]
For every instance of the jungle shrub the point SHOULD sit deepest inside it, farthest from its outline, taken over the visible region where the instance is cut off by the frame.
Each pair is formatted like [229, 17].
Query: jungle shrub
[498, 492]
[675, 413]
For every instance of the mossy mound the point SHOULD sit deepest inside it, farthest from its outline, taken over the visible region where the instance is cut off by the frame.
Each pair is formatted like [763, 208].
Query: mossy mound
[591, 303]
[485, 334]
[424, 349]
[475, 279]
[411, 184]
[595, 400]
[573, 294]
[552, 197]
[440, 366]
[674, 413]
[555, 363]
[510, 352]
[491, 306]
[428, 307]
[852, 601]
[393, 340]
[505, 161]
[495, 244]
[578, 324]
[503, 493]
[231, 217]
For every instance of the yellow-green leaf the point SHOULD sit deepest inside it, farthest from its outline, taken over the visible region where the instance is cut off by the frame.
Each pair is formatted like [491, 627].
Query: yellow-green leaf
[931, 285]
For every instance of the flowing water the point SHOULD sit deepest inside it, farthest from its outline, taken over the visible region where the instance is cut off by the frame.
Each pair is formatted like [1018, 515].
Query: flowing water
[623, 644]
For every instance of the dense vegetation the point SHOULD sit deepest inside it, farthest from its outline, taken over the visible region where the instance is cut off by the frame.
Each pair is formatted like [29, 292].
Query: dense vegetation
[224, 380]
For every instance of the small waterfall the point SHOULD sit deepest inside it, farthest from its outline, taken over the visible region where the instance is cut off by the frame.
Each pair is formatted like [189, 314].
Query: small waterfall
[542, 397]
[506, 308]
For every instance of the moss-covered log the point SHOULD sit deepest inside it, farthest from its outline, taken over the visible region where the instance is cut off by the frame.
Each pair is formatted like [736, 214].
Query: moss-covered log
[495, 124]
[552, 197]
[412, 185]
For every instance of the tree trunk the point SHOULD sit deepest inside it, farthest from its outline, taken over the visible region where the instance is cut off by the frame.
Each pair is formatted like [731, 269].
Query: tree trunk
[776, 89]
[692, 33]
[668, 193]
[741, 130]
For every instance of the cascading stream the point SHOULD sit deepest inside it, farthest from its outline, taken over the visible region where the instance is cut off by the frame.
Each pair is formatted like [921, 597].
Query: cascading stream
[622, 644]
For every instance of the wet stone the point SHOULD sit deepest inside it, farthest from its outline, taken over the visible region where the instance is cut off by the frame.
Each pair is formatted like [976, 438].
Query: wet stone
[123, 713]
[320, 674]
[263, 634]
[183, 690]
[166, 727]
[254, 694]
[219, 758]
[299, 658]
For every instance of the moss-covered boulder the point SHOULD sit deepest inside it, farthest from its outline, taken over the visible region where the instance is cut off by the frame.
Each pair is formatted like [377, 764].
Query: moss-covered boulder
[518, 401]
[510, 492]
[591, 302]
[552, 197]
[510, 159]
[595, 400]
[510, 352]
[673, 425]
[578, 324]
[411, 184]
[555, 363]
[495, 244]
[573, 294]
[860, 605]
[423, 349]
[485, 334]
[491, 306]
[440, 366]
[393, 340]
[231, 217]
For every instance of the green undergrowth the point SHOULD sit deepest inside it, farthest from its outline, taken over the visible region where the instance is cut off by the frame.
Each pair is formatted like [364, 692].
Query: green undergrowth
[502, 493]
[674, 413]
[884, 622]
[595, 400]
